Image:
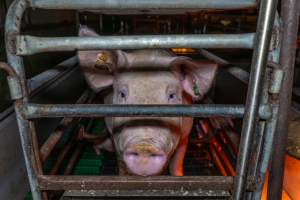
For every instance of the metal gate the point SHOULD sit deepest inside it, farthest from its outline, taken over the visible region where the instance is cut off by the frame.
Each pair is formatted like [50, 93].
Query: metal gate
[260, 112]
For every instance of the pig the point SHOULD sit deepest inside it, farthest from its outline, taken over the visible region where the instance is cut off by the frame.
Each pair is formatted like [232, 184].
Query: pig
[147, 146]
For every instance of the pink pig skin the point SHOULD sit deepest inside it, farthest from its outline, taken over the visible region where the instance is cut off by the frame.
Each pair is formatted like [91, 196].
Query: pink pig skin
[147, 145]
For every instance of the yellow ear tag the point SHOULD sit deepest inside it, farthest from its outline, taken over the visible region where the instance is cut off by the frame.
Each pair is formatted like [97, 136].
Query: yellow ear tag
[101, 62]
[196, 90]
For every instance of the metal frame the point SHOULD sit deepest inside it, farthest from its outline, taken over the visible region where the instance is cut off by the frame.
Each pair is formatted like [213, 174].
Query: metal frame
[258, 108]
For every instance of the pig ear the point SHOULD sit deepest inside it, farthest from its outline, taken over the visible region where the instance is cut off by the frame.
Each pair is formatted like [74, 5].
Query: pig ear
[97, 66]
[197, 76]
[85, 31]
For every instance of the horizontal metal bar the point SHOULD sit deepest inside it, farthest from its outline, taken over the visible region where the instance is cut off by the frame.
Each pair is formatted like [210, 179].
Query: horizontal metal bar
[28, 45]
[99, 110]
[142, 4]
[54, 182]
[161, 194]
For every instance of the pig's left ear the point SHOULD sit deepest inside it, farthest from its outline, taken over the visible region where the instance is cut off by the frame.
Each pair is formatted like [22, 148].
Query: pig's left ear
[197, 76]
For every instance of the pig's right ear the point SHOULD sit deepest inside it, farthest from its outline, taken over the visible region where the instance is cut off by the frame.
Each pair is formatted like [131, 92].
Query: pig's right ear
[97, 66]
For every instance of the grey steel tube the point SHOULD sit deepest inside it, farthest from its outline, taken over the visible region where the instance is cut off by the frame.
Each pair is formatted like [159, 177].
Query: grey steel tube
[142, 4]
[290, 19]
[32, 111]
[28, 45]
[259, 61]
[267, 151]
[12, 29]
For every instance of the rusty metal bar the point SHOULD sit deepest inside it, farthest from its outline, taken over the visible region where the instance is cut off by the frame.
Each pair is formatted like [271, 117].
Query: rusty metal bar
[65, 150]
[139, 194]
[53, 139]
[99, 110]
[74, 158]
[62, 154]
[259, 61]
[142, 4]
[216, 159]
[135, 182]
[12, 29]
[28, 45]
[290, 19]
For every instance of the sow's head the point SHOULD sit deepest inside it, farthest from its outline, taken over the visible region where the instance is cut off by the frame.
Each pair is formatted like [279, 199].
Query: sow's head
[145, 144]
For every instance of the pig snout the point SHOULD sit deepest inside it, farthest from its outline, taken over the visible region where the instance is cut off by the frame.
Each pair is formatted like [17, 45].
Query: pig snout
[144, 159]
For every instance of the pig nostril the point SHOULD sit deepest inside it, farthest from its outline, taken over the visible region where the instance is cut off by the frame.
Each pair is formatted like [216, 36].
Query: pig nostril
[155, 155]
[135, 154]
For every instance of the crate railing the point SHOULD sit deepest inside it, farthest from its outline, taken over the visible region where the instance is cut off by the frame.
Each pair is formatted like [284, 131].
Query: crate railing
[18, 45]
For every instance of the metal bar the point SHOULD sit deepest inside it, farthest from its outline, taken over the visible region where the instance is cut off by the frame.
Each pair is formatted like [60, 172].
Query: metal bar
[54, 138]
[267, 151]
[66, 149]
[290, 19]
[141, 4]
[140, 194]
[262, 153]
[237, 72]
[74, 158]
[259, 61]
[63, 153]
[28, 45]
[12, 29]
[32, 111]
[209, 55]
[135, 182]
[216, 159]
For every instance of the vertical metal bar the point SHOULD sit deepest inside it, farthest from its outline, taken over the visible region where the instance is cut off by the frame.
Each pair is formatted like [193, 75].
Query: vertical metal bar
[270, 125]
[259, 60]
[267, 148]
[290, 20]
[12, 29]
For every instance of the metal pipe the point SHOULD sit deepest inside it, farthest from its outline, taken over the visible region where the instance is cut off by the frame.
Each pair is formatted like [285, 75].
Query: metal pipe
[266, 152]
[237, 72]
[290, 19]
[259, 61]
[8, 69]
[223, 157]
[220, 61]
[62, 154]
[53, 139]
[28, 45]
[32, 111]
[74, 158]
[142, 4]
[216, 159]
[75, 155]
[135, 182]
[12, 29]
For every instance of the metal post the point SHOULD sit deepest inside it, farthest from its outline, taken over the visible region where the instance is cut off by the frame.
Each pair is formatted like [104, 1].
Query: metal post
[259, 60]
[290, 19]
[12, 29]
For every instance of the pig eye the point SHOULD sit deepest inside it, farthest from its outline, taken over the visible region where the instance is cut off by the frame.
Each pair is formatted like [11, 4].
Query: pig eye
[122, 93]
[172, 96]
